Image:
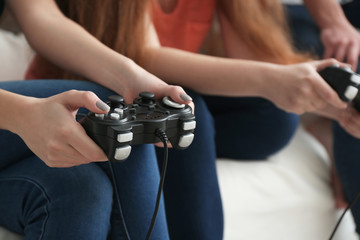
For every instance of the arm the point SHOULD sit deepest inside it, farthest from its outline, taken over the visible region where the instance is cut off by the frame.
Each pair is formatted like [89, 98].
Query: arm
[341, 40]
[295, 88]
[50, 129]
[68, 45]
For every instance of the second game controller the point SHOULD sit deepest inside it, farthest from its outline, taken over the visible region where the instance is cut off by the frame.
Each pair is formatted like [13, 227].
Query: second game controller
[345, 82]
[130, 124]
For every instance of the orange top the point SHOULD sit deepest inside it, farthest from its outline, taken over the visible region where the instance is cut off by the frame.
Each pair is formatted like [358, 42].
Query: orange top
[187, 26]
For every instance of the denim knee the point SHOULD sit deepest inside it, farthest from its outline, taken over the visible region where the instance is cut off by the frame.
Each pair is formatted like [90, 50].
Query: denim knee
[69, 203]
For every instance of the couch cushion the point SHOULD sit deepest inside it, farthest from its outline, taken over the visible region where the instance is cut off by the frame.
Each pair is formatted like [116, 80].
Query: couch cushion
[15, 55]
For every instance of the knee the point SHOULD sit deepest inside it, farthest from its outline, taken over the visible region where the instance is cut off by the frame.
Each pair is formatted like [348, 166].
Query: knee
[86, 186]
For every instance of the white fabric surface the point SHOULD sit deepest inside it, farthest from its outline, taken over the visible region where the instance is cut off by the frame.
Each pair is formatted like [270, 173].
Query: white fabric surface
[15, 55]
[286, 197]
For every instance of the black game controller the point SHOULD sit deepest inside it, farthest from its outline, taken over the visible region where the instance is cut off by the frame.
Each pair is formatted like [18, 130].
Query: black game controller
[126, 125]
[345, 82]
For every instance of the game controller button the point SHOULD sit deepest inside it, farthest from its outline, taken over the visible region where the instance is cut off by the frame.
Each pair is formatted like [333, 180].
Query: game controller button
[119, 111]
[186, 140]
[146, 98]
[190, 125]
[101, 116]
[355, 79]
[167, 101]
[348, 69]
[114, 116]
[147, 95]
[351, 92]
[125, 137]
[116, 99]
[122, 153]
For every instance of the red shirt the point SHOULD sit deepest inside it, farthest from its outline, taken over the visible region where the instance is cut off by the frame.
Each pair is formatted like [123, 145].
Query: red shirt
[187, 26]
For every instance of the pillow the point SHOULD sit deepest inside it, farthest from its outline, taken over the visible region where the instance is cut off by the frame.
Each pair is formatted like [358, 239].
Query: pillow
[15, 56]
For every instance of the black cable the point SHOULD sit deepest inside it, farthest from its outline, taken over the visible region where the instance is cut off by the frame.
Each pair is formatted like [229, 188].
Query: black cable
[117, 197]
[162, 135]
[350, 205]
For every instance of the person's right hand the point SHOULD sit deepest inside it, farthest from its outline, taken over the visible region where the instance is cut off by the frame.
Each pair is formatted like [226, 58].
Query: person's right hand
[299, 88]
[51, 131]
[342, 42]
[134, 80]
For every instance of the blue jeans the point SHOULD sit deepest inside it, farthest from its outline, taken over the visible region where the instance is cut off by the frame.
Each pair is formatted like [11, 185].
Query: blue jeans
[346, 147]
[191, 191]
[249, 127]
[77, 203]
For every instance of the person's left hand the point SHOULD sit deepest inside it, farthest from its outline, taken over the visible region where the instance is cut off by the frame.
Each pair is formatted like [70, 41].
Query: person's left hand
[341, 42]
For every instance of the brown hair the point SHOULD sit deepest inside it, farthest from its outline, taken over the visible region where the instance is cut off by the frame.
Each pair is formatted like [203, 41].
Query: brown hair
[262, 25]
[119, 24]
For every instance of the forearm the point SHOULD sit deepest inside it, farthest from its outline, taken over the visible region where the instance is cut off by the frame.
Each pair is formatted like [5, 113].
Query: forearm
[67, 44]
[11, 106]
[208, 75]
[326, 12]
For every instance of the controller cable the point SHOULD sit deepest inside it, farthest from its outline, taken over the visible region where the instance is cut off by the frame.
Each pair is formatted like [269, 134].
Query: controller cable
[164, 139]
[350, 205]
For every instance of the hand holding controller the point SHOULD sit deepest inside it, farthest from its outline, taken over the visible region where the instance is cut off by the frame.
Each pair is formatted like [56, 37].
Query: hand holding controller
[345, 82]
[126, 125]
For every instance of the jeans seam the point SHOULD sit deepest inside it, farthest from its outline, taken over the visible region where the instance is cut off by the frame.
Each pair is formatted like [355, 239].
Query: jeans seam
[44, 194]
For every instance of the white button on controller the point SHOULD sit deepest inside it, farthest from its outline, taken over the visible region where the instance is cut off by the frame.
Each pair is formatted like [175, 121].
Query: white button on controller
[186, 140]
[125, 137]
[114, 116]
[351, 92]
[190, 125]
[119, 111]
[121, 153]
[101, 116]
[355, 79]
[170, 103]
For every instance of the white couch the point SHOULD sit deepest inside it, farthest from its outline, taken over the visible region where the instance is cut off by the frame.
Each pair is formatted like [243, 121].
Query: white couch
[287, 197]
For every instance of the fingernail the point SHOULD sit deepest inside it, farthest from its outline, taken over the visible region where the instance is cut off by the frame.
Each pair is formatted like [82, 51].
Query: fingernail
[102, 106]
[185, 97]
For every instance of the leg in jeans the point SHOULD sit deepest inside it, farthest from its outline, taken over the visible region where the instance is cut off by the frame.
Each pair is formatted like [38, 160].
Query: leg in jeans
[192, 196]
[55, 203]
[250, 128]
[347, 161]
[346, 148]
[43, 194]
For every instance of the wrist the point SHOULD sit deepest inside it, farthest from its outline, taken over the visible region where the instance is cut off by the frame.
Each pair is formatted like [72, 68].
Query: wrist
[113, 71]
[16, 108]
[268, 75]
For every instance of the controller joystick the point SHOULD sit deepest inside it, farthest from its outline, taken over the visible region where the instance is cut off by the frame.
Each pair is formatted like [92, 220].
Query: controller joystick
[116, 101]
[146, 98]
[345, 82]
[127, 125]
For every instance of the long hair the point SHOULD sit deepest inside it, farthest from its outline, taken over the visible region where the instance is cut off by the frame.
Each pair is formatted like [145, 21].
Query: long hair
[119, 24]
[262, 26]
